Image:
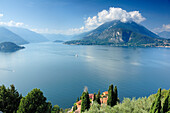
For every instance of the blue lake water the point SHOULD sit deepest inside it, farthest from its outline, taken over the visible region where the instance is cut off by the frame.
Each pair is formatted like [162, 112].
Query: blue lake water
[55, 69]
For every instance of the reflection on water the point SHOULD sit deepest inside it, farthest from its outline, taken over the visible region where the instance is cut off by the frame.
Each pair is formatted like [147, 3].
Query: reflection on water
[61, 76]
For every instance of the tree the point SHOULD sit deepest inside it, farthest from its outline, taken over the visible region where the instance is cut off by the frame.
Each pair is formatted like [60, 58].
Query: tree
[75, 107]
[166, 104]
[156, 105]
[110, 100]
[34, 102]
[55, 109]
[85, 101]
[9, 99]
[98, 97]
[94, 98]
[115, 97]
[49, 107]
[77, 99]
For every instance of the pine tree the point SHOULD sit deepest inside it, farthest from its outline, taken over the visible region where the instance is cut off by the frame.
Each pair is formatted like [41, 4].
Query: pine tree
[34, 102]
[98, 97]
[9, 99]
[166, 104]
[115, 97]
[110, 100]
[85, 101]
[156, 105]
[77, 99]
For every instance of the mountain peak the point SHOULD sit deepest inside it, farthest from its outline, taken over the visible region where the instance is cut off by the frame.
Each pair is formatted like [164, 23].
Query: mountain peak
[119, 33]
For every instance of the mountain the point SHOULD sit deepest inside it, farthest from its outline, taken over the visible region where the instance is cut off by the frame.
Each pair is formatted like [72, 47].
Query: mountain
[164, 34]
[9, 47]
[54, 37]
[118, 33]
[80, 36]
[28, 35]
[8, 36]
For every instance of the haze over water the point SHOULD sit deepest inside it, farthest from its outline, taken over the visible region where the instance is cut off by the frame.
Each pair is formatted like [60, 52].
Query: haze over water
[61, 75]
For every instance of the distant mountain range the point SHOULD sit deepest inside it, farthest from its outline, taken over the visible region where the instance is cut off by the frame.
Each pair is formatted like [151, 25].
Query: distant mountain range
[117, 33]
[30, 36]
[9, 47]
[164, 34]
[54, 37]
[8, 36]
[20, 36]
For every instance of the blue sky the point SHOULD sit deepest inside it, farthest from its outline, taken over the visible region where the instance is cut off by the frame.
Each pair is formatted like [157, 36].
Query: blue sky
[70, 16]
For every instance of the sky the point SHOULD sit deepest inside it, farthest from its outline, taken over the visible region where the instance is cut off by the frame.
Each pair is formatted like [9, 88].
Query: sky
[77, 16]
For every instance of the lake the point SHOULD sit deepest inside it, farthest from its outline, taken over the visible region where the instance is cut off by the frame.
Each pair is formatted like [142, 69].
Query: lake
[62, 71]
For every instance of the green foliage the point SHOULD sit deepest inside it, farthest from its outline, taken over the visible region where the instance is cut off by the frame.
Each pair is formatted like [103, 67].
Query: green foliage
[55, 109]
[115, 97]
[77, 99]
[166, 104]
[9, 99]
[156, 106]
[34, 102]
[66, 110]
[110, 100]
[94, 99]
[141, 105]
[49, 107]
[95, 108]
[75, 107]
[98, 97]
[85, 101]
[61, 110]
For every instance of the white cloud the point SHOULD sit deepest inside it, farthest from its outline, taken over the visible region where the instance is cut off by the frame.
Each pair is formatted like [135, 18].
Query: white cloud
[1, 15]
[165, 27]
[11, 23]
[55, 31]
[110, 15]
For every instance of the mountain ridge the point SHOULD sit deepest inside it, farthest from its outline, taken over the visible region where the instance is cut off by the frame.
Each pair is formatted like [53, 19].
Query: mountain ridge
[117, 33]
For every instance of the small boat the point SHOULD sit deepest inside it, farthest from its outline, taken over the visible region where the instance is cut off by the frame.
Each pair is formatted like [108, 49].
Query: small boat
[76, 55]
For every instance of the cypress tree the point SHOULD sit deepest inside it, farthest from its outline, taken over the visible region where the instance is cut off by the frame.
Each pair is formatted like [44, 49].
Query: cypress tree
[166, 104]
[85, 101]
[94, 98]
[110, 100]
[156, 105]
[98, 97]
[115, 97]
[77, 99]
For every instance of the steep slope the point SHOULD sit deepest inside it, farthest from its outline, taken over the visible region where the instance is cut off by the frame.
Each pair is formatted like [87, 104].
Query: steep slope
[8, 36]
[164, 34]
[119, 34]
[28, 35]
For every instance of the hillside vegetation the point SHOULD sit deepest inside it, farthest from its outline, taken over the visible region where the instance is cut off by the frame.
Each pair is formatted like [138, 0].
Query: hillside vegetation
[35, 102]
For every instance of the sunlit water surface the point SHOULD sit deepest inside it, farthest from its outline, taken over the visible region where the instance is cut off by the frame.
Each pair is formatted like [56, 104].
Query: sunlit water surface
[62, 71]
